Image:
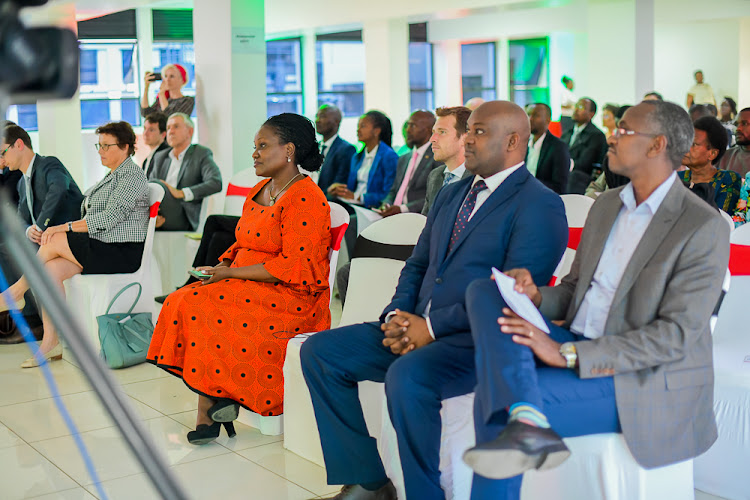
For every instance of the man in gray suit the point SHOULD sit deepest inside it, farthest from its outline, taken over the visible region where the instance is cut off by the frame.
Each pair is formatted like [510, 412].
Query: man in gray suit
[634, 354]
[188, 174]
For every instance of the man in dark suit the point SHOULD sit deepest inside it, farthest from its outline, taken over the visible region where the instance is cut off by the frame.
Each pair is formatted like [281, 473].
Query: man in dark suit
[188, 173]
[587, 144]
[336, 151]
[548, 158]
[634, 354]
[410, 185]
[155, 137]
[48, 196]
[500, 217]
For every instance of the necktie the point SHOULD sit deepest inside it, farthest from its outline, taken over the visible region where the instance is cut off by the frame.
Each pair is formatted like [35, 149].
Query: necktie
[573, 137]
[407, 177]
[448, 179]
[323, 150]
[465, 212]
[30, 199]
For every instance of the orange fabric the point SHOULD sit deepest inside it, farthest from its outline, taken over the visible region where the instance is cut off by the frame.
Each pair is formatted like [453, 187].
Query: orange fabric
[229, 339]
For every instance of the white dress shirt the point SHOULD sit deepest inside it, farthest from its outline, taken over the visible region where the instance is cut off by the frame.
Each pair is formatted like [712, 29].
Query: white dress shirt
[576, 132]
[626, 234]
[535, 149]
[326, 146]
[173, 175]
[456, 174]
[363, 174]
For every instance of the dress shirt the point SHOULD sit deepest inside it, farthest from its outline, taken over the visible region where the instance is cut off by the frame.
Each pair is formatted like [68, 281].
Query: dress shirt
[576, 132]
[409, 174]
[363, 174]
[456, 175]
[623, 239]
[325, 147]
[30, 195]
[535, 149]
[173, 175]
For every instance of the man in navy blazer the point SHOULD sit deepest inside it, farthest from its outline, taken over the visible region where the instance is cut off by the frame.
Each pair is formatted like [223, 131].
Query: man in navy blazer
[548, 158]
[336, 151]
[422, 347]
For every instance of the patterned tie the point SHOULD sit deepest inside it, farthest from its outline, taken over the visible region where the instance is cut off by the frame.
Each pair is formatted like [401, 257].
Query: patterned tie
[448, 179]
[465, 212]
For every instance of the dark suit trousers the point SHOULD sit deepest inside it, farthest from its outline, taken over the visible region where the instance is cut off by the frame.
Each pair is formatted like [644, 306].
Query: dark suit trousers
[218, 236]
[12, 273]
[578, 181]
[333, 361]
[174, 214]
[509, 373]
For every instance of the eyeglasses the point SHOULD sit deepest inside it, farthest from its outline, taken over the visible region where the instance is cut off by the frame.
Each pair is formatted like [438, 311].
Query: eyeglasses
[2, 155]
[104, 147]
[619, 132]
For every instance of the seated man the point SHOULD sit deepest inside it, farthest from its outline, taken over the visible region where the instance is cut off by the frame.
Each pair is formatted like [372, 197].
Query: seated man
[188, 174]
[500, 217]
[48, 197]
[548, 158]
[587, 144]
[336, 151]
[634, 353]
[737, 159]
[155, 137]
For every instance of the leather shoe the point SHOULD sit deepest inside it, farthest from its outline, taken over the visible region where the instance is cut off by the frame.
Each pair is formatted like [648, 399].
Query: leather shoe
[9, 332]
[356, 492]
[520, 447]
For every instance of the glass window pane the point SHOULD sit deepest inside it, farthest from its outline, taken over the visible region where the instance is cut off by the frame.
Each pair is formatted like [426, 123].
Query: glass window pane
[108, 70]
[350, 104]
[283, 103]
[420, 66]
[528, 62]
[94, 113]
[24, 115]
[283, 66]
[175, 53]
[487, 95]
[88, 67]
[478, 70]
[422, 99]
[341, 66]
[131, 111]
[128, 68]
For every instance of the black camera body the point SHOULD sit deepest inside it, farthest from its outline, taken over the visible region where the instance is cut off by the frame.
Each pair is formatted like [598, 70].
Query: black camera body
[156, 77]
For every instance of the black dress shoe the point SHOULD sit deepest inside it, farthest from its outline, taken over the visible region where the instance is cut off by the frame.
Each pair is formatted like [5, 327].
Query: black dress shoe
[224, 410]
[10, 334]
[520, 447]
[204, 434]
[356, 492]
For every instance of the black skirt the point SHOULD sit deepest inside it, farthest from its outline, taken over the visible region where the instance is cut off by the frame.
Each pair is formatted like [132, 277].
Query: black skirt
[98, 257]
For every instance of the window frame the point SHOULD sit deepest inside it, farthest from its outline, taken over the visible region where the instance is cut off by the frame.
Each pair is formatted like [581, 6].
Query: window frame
[493, 44]
[301, 92]
[431, 89]
[348, 37]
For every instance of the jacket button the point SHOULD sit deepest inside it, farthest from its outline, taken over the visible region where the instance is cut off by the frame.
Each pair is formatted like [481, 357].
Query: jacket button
[438, 280]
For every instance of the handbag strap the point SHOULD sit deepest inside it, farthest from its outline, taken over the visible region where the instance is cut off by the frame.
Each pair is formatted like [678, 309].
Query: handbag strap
[140, 288]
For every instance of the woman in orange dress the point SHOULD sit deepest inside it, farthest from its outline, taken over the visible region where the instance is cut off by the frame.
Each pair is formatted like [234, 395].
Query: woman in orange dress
[226, 336]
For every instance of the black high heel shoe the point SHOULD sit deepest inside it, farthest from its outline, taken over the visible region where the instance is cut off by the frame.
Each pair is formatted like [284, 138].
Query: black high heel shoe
[204, 434]
[224, 410]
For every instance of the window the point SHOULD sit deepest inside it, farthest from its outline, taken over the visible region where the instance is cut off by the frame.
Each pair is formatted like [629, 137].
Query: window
[420, 75]
[284, 76]
[340, 59]
[109, 84]
[24, 115]
[529, 71]
[478, 71]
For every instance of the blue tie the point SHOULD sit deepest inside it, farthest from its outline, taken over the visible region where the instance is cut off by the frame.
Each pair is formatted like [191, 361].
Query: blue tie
[465, 212]
[448, 179]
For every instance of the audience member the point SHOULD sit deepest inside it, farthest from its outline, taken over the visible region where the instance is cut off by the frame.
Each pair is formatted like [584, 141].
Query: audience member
[608, 179]
[422, 345]
[727, 115]
[226, 337]
[588, 146]
[169, 100]
[567, 104]
[109, 236]
[48, 197]
[548, 158]
[608, 119]
[8, 181]
[404, 148]
[155, 137]
[336, 151]
[653, 96]
[474, 103]
[187, 172]
[448, 136]
[410, 185]
[700, 93]
[635, 309]
[737, 159]
[709, 145]
[741, 214]
[699, 111]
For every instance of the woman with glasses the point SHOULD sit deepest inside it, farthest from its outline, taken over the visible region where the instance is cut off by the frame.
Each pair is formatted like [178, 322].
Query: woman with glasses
[109, 237]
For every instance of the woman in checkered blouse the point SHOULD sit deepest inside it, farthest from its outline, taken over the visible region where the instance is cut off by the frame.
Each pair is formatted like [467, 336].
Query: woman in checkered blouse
[109, 237]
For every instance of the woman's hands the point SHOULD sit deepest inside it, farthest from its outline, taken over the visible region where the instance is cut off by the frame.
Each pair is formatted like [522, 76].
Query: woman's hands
[51, 231]
[218, 273]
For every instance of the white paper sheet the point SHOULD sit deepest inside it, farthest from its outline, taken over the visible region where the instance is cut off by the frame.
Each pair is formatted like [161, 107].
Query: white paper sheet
[518, 302]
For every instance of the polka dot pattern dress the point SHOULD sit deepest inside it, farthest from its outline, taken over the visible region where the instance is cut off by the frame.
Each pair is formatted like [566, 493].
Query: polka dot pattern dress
[228, 339]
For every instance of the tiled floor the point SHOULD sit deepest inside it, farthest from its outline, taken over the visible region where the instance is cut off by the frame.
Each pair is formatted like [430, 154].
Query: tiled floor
[39, 458]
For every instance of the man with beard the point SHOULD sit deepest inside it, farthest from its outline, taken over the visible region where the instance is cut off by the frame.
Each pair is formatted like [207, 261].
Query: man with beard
[737, 159]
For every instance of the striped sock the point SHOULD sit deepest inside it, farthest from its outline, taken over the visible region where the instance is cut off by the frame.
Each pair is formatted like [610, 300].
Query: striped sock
[528, 414]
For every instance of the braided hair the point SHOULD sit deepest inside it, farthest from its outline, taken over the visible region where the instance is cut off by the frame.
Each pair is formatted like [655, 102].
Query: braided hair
[379, 120]
[298, 130]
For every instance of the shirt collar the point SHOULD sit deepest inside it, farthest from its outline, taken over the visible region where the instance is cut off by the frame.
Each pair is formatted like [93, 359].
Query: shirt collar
[493, 182]
[653, 202]
[330, 141]
[533, 143]
[579, 128]
[421, 149]
[457, 172]
[31, 167]
[181, 155]
[372, 153]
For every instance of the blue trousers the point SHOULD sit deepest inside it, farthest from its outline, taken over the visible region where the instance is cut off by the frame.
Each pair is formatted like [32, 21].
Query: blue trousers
[334, 361]
[508, 373]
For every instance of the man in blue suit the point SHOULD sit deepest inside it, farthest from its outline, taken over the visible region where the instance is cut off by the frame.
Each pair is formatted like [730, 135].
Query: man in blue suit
[336, 151]
[422, 347]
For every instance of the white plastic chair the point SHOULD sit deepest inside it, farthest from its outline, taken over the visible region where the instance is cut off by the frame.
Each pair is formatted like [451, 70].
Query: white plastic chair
[727, 218]
[576, 210]
[237, 190]
[91, 293]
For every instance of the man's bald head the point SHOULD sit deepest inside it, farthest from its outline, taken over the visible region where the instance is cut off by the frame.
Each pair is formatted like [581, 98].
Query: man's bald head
[497, 139]
[419, 128]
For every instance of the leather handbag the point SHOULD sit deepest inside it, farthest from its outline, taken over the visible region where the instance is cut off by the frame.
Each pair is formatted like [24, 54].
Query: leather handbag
[124, 337]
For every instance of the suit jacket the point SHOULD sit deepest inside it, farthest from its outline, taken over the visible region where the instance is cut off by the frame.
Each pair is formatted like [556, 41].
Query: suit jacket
[147, 168]
[56, 196]
[434, 183]
[380, 179]
[554, 164]
[657, 338]
[199, 173]
[590, 147]
[417, 188]
[522, 223]
[335, 167]
[9, 184]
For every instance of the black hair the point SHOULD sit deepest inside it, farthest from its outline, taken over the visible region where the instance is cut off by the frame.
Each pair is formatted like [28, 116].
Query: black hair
[12, 133]
[612, 109]
[621, 112]
[655, 94]
[123, 132]
[381, 121]
[546, 107]
[732, 105]
[715, 133]
[294, 128]
[566, 79]
[158, 118]
[712, 109]
[592, 104]
[700, 109]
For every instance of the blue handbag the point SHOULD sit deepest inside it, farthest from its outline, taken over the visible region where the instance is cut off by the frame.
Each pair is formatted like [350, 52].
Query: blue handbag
[124, 337]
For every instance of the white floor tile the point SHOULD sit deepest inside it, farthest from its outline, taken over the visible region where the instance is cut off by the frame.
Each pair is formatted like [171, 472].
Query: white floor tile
[40, 420]
[247, 437]
[25, 473]
[8, 438]
[226, 477]
[167, 395]
[112, 456]
[139, 373]
[74, 494]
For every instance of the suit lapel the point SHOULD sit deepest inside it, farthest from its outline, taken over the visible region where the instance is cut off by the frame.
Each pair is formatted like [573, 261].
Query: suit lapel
[451, 212]
[374, 165]
[543, 153]
[185, 163]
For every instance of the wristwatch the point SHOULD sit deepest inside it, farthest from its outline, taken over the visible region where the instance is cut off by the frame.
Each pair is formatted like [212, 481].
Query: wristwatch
[568, 351]
[70, 227]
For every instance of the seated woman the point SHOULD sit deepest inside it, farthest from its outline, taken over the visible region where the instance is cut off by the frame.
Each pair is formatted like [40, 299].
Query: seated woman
[374, 168]
[109, 237]
[226, 337]
[169, 100]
